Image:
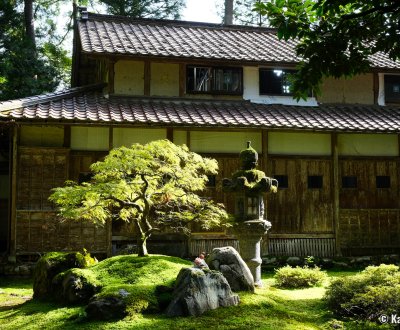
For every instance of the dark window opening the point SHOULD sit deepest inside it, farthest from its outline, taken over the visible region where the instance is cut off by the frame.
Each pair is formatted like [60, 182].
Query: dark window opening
[314, 181]
[275, 81]
[382, 181]
[85, 177]
[214, 80]
[349, 182]
[211, 183]
[283, 181]
[392, 89]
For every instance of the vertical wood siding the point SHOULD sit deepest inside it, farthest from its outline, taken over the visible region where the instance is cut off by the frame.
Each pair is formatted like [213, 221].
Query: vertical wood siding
[299, 209]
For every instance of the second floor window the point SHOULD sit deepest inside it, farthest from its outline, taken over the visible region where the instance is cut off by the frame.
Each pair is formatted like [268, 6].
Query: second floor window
[392, 88]
[275, 82]
[219, 80]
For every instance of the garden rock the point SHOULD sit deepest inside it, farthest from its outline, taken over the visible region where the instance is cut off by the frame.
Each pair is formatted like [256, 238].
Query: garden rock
[52, 264]
[197, 291]
[74, 289]
[229, 262]
[294, 261]
[108, 308]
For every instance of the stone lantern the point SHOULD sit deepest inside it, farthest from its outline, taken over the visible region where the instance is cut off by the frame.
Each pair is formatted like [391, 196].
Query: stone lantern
[249, 185]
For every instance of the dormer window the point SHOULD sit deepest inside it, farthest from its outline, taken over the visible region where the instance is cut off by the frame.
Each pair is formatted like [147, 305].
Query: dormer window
[392, 88]
[275, 82]
[214, 80]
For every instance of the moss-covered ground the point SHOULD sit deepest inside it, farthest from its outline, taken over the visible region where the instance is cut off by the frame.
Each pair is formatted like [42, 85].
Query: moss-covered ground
[269, 308]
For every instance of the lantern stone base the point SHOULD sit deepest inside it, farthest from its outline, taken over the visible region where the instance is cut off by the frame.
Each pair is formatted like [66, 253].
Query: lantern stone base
[250, 234]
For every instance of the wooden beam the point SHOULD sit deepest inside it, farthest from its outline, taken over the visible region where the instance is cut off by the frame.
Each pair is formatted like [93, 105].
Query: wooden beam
[12, 257]
[336, 187]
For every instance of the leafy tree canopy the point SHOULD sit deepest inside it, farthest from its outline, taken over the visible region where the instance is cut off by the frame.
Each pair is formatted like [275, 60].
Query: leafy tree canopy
[154, 186]
[145, 8]
[30, 63]
[336, 37]
[243, 13]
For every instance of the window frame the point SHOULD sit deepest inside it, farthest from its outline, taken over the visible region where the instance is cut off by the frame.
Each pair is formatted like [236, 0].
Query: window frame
[271, 93]
[212, 83]
[389, 81]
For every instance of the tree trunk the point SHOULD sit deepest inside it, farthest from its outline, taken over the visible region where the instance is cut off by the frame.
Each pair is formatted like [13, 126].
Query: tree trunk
[29, 22]
[142, 247]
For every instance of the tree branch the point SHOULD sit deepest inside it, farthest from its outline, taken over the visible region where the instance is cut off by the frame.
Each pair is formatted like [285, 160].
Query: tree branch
[381, 9]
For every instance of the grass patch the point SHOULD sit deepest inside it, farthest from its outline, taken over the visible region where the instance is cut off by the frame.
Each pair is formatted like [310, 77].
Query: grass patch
[269, 308]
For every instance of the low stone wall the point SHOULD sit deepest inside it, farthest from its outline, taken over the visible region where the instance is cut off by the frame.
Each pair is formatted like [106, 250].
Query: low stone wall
[17, 269]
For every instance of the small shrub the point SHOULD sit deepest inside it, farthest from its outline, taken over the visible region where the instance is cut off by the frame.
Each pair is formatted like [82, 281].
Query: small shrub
[299, 277]
[373, 292]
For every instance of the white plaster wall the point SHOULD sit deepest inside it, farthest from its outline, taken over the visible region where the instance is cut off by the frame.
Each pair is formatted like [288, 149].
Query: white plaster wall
[128, 136]
[224, 142]
[368, 145]
[42, 136]
[251, 91]
[89, 138]
[312, 144]
[180, 137]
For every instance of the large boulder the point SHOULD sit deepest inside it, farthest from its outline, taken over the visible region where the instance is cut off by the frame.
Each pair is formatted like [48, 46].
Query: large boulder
[75, 286]
[53, 263]
[197, 291]
[229, 262]
[106, 308]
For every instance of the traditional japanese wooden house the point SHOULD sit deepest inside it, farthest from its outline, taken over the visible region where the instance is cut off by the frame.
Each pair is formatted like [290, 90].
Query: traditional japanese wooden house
[211, 87]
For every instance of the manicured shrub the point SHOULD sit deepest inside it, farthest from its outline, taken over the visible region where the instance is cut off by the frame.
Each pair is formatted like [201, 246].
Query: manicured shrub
[372, 292]
[299, 277]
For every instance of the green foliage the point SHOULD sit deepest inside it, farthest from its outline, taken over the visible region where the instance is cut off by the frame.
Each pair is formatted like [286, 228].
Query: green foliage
[138, 277]
[269, 308]
[30, 67]
[373, 292]
[54, 263]
[154, 186]
[336, 38]
[145, 8]
[243, 13]
[299, 277]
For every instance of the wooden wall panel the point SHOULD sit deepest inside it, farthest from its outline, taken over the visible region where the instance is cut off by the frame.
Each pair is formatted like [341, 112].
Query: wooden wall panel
[80, 162]
[367, 195]
[39, 170]
[369, 231]
[43, 231]
[299, 209]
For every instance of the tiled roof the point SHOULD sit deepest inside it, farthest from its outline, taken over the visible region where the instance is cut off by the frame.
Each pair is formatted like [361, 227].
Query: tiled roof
[93, 107]
[104, 34]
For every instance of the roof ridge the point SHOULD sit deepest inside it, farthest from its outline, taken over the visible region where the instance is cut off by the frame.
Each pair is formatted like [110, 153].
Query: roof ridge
[43, 98]
[180, 23]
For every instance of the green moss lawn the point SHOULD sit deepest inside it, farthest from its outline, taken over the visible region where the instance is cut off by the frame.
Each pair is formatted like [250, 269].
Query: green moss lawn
[269, 308]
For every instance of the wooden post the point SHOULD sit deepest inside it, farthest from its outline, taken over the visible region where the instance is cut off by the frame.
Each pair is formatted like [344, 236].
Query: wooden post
[147, 78]
[12, 257]
[110, 138]
[336, 187]
[170, 134]
[182, 80]
[111, 76]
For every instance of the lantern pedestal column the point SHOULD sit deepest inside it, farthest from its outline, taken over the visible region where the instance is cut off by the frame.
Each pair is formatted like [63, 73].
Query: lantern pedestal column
[250, 234]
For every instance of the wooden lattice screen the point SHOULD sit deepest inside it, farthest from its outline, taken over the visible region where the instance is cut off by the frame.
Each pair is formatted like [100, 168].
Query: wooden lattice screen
[38, 229]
